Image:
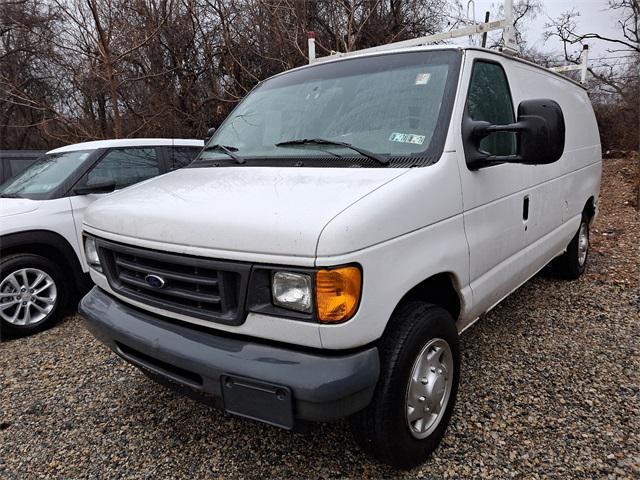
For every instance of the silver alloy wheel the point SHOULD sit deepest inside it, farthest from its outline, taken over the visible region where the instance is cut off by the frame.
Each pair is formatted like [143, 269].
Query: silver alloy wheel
[583, 244]
[27, 296]
[429, 388]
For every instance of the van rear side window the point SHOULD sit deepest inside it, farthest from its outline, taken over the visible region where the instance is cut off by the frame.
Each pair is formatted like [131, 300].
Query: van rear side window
[489, 100]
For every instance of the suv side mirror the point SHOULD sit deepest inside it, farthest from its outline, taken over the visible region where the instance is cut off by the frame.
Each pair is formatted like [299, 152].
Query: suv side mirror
[210, 133]
[540, 133]
[99, 186]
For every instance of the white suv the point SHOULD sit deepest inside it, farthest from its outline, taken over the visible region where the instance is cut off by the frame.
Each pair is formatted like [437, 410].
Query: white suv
[41, 209]
[347, 220]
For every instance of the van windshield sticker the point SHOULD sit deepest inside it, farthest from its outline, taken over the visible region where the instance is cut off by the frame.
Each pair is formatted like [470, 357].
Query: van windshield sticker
[423, 78]
[407, 138]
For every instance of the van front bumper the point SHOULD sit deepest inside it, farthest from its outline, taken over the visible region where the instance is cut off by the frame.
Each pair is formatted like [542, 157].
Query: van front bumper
[272, 383]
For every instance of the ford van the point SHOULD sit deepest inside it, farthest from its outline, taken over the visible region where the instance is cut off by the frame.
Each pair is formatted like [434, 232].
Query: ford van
[341, 228]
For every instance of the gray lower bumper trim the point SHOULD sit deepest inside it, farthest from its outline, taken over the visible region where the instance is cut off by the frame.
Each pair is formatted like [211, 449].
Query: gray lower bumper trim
[324, 387]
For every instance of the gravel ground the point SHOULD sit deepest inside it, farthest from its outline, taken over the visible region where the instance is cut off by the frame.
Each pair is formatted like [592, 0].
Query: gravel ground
[550, 389]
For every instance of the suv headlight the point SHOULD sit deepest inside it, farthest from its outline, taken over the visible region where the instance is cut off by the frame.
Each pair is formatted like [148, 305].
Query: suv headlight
[91, 253]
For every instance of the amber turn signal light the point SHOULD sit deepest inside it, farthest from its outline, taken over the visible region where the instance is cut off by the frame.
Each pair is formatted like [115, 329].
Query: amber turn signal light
[338, 293]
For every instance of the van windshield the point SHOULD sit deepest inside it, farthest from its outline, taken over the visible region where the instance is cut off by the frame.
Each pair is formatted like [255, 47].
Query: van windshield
[393, 105]
[44, 176]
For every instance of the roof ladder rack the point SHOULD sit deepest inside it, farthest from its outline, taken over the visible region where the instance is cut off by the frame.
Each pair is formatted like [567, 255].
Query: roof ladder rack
[506, 25]
[583, 66]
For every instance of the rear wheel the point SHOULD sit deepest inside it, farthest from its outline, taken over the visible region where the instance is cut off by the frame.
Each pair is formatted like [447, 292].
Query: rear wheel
[573, 262]
[416, 392]
[33, 293]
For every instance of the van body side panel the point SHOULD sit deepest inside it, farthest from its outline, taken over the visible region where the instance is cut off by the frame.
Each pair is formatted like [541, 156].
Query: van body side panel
[581, 185]
[417, 199]
[559, 191]
[393, 268]
[507, 246]
[401, 234]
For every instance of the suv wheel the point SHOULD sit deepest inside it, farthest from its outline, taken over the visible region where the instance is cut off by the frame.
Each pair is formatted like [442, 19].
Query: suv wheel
[33, 293]
[416, 392]
[573, 262]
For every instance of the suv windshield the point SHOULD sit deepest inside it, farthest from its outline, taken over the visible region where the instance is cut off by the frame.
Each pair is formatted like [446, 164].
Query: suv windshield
[394, 105]
[44, 176]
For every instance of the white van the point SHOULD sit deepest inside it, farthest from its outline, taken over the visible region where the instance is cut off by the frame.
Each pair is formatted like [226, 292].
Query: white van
[41, 209]
[343, 225]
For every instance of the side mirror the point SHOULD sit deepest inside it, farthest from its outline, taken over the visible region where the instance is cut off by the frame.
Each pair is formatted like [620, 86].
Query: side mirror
[210, 133]
[540, 133]
[98, 186]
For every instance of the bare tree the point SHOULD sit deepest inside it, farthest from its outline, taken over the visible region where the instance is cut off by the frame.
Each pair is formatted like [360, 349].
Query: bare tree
[615, 84]
[524, 11]
[75, 70]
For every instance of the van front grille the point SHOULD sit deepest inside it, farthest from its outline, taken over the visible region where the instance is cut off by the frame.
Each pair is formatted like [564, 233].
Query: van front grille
[192, 286]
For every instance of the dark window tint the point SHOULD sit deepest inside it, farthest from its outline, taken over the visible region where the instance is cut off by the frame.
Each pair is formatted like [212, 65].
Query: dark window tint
[183, 156]
[125, 166]
[489, 100]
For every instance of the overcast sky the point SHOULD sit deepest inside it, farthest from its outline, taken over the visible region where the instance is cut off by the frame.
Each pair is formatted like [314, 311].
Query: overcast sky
[595, 16]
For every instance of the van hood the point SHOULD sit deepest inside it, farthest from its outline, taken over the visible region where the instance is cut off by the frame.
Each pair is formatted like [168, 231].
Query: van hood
[268, 210]
[16, 206]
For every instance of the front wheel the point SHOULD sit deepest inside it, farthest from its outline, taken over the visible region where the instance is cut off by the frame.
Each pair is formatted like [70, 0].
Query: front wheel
[416, 392]
[32, 293]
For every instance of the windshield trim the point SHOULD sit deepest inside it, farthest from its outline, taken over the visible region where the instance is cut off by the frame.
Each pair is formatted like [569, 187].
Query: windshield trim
[453, 57]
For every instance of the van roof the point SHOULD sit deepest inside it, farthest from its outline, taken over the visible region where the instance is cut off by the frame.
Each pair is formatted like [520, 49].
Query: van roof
[374, 51]
[129, 142]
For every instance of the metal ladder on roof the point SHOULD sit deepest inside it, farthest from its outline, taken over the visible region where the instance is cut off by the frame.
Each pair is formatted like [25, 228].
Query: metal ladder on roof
[506, 25]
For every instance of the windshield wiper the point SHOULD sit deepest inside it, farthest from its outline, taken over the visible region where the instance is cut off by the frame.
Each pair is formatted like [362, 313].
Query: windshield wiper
[9, 195]
[321, 141]
[228, 150]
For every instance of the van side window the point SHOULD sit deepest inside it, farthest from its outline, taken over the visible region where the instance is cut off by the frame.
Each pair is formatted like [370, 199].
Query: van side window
[126, 166]
[489, 100]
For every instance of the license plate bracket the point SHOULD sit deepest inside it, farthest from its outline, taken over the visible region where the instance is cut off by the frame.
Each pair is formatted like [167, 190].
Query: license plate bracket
[258, 400]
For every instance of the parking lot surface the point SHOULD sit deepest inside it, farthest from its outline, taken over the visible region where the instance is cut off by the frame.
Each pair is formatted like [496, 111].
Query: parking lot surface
[550, 388]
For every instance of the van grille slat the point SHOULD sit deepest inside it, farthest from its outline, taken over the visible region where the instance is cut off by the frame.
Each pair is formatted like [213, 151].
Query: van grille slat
[176, 292]
[183, 277]
[193, 286]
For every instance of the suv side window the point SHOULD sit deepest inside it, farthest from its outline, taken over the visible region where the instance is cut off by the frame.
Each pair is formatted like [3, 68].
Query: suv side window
[125, 166]
[489, 100]
[183, 156]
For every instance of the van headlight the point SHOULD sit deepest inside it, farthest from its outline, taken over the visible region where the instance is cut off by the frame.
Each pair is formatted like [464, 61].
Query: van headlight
[326, 295]
[292, 290]
[91, 253]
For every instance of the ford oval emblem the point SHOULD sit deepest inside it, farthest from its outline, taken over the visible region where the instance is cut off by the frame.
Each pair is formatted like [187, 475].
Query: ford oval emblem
[154, 281]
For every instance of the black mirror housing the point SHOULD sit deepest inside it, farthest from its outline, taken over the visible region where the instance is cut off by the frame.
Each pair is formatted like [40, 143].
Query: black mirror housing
[210, 133]
[543, 143]
[540, 133]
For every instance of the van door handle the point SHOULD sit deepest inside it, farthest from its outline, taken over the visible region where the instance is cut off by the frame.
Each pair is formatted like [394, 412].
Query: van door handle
[525, 208]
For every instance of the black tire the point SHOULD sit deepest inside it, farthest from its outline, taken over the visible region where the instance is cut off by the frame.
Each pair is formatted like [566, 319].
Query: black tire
[382, 429]
[17, 262]
[568, 265]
